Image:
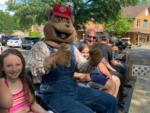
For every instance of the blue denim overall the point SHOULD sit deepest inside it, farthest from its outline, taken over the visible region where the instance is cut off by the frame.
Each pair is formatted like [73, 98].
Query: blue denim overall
[60, 92]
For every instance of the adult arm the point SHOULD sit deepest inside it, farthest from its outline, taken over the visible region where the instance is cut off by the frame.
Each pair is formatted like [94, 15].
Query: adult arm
[103, 68]
[36, 57]
[108, 65]
[36, 108]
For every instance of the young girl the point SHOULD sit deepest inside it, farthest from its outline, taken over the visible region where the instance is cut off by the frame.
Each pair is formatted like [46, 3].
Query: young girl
[100, 75]
[16, 89]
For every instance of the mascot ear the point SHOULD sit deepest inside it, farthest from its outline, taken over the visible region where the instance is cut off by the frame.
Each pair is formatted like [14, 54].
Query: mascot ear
[72, 19]
[49, 13]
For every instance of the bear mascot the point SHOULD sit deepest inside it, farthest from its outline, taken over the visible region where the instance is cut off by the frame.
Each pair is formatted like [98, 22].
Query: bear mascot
[55, 59]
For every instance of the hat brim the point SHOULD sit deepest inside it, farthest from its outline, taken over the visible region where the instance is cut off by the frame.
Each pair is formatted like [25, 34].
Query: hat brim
[62, 15]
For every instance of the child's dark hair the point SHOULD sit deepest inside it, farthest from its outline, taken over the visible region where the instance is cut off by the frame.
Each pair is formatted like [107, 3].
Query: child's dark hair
[26, 79]
[82, 46]
[104, 36]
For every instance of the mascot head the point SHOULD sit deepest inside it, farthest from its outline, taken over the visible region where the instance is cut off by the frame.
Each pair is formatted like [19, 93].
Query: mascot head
[60, 28]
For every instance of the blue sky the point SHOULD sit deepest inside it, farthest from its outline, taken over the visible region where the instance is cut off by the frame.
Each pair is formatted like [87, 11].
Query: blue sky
[2, 4]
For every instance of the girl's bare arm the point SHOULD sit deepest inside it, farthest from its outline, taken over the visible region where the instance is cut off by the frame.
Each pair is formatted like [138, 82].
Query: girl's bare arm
[5, 96]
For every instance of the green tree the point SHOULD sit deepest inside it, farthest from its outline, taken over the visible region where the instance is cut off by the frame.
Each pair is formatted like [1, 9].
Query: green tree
[130, 2]
[99, 10]
[144, 1]
[119, 27]
[31, 12]
[35, 11]
[8, 23]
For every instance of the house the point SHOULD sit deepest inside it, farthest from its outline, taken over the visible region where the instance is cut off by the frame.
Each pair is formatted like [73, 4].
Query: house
[139, 16]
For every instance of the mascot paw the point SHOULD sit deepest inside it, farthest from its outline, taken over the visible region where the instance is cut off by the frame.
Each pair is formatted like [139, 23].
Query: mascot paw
[49, 62]
[61, 57]
[95, 55]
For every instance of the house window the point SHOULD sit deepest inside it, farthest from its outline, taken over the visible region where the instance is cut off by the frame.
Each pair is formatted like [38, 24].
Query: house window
[149, 10]
[146, 12]
[138, 22]
[145, 24]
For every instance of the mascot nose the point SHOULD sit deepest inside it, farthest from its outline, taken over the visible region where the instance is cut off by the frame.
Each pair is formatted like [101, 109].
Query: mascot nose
[67, 25]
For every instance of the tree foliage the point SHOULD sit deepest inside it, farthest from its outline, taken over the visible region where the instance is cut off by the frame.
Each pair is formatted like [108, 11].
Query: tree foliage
[129, 2]
[31, 11]
[144, 1]
[35, 11]
[8, 23]
[119, 27]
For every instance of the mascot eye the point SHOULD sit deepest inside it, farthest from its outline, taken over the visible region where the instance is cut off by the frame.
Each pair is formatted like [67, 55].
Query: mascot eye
[59, 19]
[67, 21]
[63, 20]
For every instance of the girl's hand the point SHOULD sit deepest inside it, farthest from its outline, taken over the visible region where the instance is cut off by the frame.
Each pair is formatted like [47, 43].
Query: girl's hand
[82, 77]
[85, 77]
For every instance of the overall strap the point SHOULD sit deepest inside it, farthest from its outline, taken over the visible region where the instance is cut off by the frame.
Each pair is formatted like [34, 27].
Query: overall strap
[51, 49]
[73, 56]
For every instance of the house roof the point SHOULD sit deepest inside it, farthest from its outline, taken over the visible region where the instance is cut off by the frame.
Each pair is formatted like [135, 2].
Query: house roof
[133, 11]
